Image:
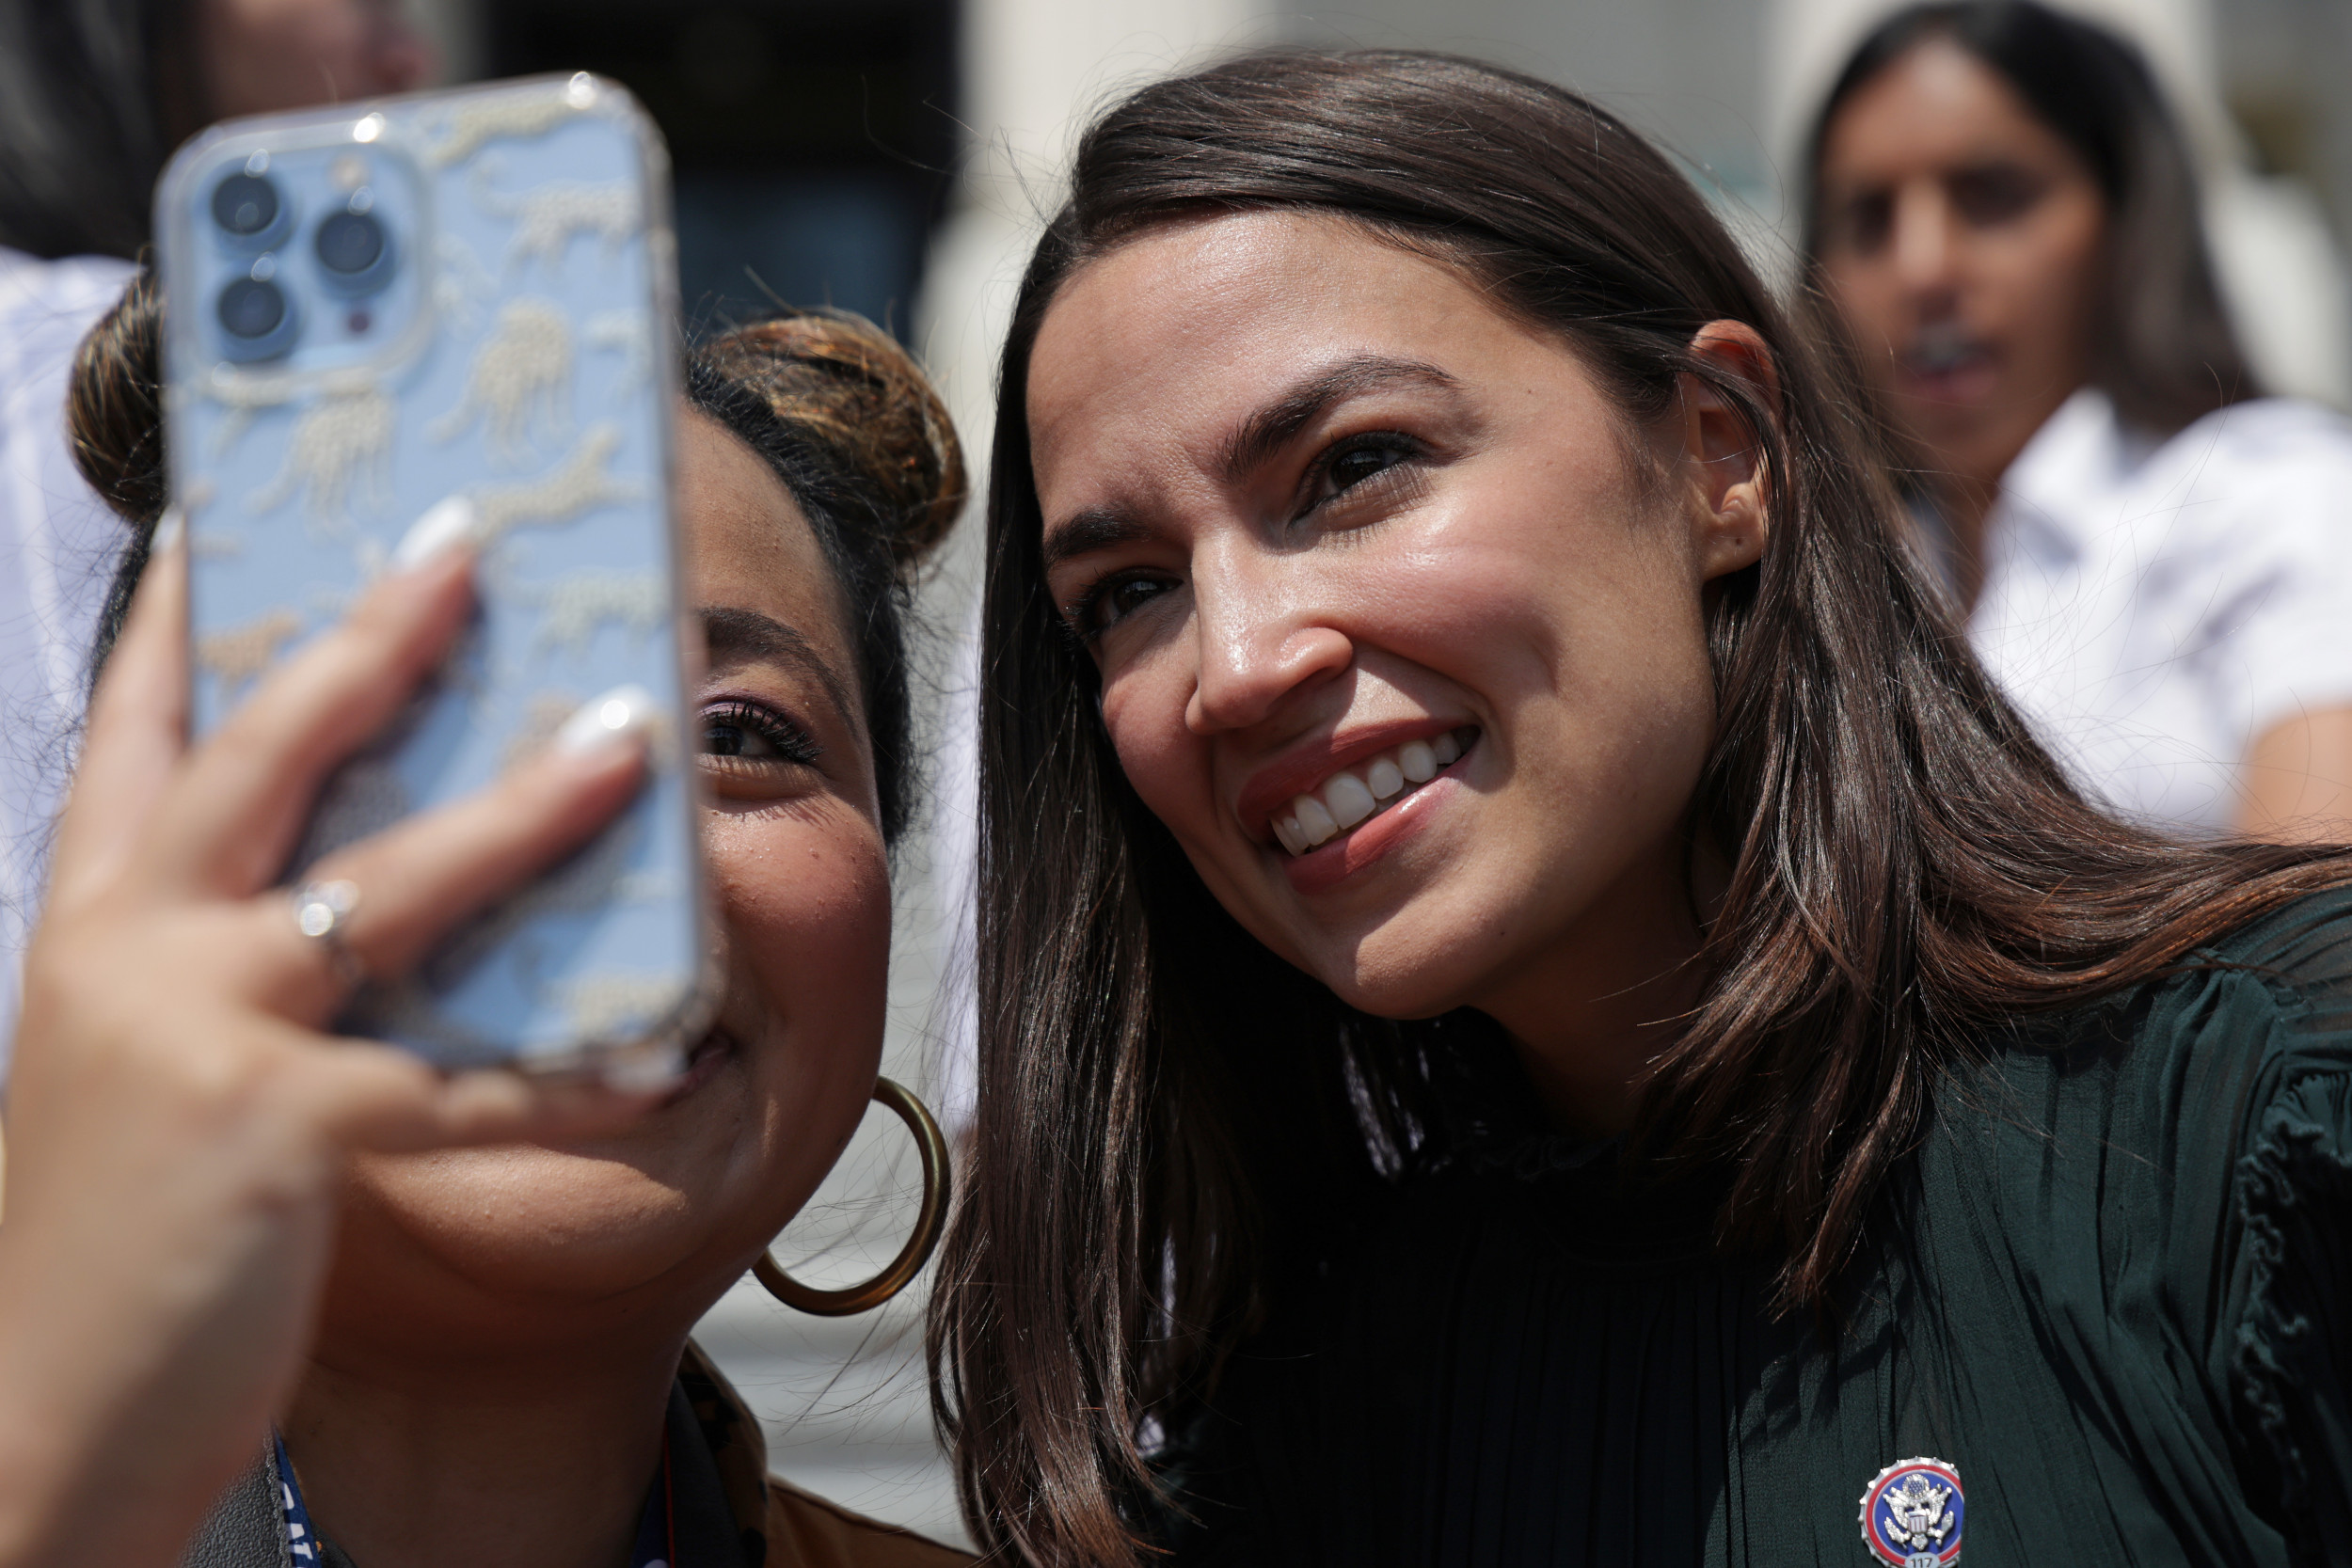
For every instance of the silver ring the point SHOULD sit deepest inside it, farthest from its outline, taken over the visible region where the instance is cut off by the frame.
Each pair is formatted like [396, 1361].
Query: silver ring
[320, 910]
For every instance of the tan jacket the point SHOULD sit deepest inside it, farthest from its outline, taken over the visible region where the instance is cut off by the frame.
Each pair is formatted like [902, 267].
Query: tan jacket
[799, 1529]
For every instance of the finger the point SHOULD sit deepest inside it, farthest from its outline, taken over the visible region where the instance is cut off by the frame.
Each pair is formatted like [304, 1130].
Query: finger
[417, 879]
[231, 823]
[137, 730]
[367, 1096]
[507, 1107]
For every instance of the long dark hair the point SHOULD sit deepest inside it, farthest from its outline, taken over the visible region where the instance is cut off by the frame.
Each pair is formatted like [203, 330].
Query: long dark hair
[94, 94]
[1168, 1114]
[2161, 345]
[836, 408]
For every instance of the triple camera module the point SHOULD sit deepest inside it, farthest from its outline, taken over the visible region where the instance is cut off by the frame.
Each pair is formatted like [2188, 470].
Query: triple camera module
[349, 248]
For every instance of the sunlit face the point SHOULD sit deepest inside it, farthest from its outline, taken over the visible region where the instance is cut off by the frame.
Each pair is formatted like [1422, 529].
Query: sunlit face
[1962, 241]
[1394, 635]
[263, 56]
[639, 1232]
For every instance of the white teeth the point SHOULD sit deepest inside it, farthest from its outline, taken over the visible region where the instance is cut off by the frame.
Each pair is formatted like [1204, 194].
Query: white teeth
[1347, 799]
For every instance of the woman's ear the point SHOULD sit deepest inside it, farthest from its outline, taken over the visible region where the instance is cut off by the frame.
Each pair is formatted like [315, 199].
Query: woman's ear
[1722, 456]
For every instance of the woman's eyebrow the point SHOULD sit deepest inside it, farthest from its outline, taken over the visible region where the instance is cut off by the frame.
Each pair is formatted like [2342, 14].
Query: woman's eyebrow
[1258, 438]
[746, 636]
[1275, 425]
[1084, 532]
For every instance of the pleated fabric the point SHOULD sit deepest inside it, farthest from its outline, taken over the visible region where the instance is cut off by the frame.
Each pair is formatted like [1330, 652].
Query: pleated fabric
[2113, 1287]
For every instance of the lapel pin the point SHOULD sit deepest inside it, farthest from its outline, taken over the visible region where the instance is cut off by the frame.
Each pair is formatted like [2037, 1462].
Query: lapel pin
[1912, 1512]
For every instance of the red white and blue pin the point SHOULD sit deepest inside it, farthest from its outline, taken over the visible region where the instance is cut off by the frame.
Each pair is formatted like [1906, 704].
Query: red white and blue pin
[1911, 1514]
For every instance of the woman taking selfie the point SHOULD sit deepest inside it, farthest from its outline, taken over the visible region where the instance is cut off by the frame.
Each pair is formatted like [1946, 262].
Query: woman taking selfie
[1536, 1005]
[2149, 556]
[462, 1303]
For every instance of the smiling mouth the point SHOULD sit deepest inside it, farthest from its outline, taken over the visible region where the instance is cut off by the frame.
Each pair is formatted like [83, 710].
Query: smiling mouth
[1945, 349]
[702, 1062]
[1362, 790]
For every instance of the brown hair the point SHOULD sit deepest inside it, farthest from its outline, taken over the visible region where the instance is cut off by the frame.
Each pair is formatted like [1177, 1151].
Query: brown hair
[2162, 347]
[855, 430]
[1168, 1114]
[844, 385]
[835, 406]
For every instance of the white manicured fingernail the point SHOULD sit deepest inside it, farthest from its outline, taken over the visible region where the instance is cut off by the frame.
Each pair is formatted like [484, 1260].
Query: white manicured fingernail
[644, 1072]
[171, 529]
[624, 710]
[446, 524]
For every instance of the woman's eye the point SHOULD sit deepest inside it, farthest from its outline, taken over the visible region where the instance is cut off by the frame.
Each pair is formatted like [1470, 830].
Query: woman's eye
[1113, 600]
[1866, 222]
[1994, 195]
[748, 733]
[1125, 598]
[1351, 466]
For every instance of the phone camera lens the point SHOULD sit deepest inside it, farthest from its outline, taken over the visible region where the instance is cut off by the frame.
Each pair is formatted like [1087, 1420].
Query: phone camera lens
[350, 242]
[258, 320]
[353, 251]
[246, 206]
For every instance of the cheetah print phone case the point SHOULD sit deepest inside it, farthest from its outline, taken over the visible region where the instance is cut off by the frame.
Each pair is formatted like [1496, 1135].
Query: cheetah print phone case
[454, 311]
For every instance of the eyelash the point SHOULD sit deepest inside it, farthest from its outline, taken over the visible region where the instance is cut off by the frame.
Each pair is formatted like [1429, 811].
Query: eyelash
[1078, 616]
[792, 743]
[1339, 451]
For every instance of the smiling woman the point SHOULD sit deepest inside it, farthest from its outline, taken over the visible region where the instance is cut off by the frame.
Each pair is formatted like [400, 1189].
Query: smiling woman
[1536, 1005]
[462, 1306]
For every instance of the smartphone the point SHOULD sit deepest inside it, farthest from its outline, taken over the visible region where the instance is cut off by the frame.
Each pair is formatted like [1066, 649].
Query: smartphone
[451, 311]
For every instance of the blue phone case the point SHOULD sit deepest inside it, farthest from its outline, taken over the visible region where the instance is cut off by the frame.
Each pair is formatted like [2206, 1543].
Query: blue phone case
[380, 313]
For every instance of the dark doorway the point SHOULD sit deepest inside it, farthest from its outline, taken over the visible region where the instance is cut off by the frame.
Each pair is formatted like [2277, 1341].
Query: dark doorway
[810, 137]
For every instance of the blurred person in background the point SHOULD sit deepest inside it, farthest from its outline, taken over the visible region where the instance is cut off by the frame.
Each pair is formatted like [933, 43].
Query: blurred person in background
[2152, 561]
[94, 95]
[462, 1303]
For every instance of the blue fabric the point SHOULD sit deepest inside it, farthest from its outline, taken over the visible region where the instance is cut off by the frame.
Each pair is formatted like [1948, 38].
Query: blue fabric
[301, 1540]
[653, 1549]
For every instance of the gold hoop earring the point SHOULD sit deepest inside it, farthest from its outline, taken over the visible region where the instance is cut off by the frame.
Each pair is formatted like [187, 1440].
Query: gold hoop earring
[938, 1183]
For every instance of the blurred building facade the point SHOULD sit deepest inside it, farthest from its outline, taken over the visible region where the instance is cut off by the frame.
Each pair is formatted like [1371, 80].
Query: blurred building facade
[895, 157]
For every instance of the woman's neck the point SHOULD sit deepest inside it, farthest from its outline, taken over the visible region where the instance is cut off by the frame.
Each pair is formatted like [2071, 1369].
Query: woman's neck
[1969, 476]
[1965, 502]
[1589, 1017]
[505, 1463]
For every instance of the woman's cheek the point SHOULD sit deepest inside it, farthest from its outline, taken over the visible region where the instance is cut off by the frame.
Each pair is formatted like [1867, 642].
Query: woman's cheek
[804, 892]
[1163, 759]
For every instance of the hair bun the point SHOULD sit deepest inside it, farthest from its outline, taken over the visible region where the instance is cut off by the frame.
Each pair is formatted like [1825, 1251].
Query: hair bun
[842, 380]
[114, 404]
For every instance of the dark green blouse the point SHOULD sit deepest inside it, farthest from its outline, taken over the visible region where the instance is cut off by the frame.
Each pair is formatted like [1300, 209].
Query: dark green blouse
[2113, 1289]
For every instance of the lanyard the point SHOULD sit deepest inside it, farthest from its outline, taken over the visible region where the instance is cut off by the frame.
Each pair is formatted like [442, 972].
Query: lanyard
[655, 1547]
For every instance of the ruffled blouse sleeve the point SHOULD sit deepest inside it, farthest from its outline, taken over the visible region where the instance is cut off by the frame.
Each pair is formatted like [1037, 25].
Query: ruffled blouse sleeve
[2291, 1361]
[2293, 1350]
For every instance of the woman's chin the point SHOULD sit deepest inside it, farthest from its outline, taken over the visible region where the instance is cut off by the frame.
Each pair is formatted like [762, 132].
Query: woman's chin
[535, 1209]
[594, 1219]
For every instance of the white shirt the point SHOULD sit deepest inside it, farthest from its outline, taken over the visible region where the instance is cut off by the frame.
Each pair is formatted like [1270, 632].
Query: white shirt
[58, 547]
[2154, 607]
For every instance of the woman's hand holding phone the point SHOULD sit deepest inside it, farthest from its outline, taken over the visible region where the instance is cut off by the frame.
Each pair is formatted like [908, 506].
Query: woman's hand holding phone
[179, 1112]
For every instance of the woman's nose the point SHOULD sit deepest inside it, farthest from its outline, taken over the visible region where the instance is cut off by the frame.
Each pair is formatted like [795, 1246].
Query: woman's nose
[401, 58]
[1262, 638]
[1923, 237]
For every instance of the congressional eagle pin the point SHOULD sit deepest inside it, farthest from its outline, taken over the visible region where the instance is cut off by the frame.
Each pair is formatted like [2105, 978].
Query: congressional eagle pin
[1911, 1514]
